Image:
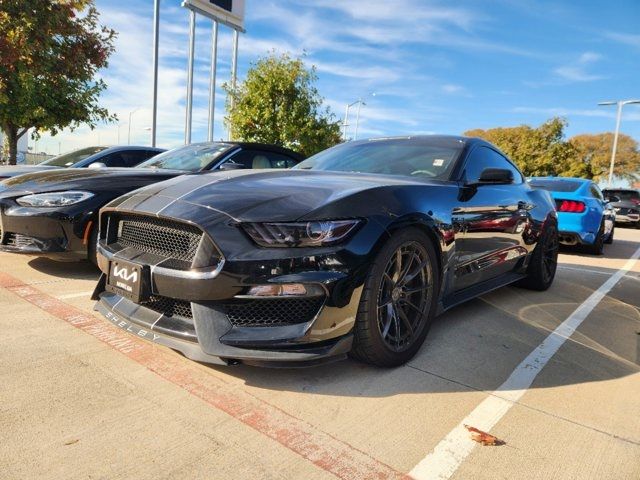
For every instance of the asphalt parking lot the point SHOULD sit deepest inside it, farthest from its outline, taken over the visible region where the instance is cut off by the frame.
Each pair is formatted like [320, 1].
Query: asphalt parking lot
[81, 399]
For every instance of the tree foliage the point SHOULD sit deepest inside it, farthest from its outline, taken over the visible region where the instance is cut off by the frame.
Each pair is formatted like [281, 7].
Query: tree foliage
[595, 152]
[50, 52]
[279, 103]
[538, 151]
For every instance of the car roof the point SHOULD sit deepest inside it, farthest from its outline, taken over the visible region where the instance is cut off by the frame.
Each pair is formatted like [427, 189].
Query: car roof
[122, 148]
[262, 146]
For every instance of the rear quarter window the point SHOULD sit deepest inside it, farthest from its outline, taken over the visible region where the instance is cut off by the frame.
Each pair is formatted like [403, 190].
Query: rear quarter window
[556, 185]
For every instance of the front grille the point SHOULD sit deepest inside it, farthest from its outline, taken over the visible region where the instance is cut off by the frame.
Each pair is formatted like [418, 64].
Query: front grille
[166, 238]
[169, 307]
[275, 312]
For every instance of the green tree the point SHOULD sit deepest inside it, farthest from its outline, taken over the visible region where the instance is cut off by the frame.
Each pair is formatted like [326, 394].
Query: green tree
[50, 51]
[278, 103]
[538, 151]
[595, 152]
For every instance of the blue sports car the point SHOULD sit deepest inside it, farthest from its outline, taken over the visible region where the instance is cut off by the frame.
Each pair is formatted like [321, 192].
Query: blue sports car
[585, 218]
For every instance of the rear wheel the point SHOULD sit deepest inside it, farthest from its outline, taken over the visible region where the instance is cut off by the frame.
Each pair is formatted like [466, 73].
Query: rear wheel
[544, 261]
[609, 239]
[598, 245]
[398, 301]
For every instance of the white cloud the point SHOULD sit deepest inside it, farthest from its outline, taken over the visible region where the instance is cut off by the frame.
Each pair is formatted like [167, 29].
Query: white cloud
[579, 112]
[578, 70]
[630, 39]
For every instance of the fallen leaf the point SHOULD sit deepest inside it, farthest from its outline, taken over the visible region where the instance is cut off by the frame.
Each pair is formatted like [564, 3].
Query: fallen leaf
[71, 442]
[484, 438]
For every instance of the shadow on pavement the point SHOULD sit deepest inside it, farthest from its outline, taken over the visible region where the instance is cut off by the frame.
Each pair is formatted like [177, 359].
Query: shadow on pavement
[78, 270]
[477, 345]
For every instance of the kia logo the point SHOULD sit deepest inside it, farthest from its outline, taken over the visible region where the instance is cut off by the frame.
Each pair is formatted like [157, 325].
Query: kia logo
[124, 274]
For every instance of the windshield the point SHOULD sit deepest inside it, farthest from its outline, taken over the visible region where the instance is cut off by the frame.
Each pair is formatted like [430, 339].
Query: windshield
[418, 157]
[190, 158]
[71, 158]
[624, 195]
[556, 185]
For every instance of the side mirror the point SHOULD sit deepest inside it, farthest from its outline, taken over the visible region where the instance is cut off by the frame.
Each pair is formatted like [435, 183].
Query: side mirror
[495, 176]
[231, 166]
[97, 165]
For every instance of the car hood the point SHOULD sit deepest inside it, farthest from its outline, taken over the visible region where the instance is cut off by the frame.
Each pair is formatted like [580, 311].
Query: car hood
[260, 195]
[9, 171]
[94, 180]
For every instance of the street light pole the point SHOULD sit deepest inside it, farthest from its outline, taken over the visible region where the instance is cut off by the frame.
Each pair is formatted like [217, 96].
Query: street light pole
[129, 126]
[156, 42]
[619, 104]
[346, 118]
[192, 49]
[360, 104]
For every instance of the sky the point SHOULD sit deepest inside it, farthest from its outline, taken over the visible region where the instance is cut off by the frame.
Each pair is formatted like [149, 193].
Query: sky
[420, 66]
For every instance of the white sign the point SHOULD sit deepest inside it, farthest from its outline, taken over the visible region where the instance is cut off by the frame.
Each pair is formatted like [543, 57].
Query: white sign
[229, 12]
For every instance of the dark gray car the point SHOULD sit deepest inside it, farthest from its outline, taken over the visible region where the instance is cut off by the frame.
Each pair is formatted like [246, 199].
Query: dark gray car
[626, 202]
[122, 156]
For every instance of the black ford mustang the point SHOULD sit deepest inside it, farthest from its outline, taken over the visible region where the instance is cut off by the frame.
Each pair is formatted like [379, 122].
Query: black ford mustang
[355, 250]
[54, 213]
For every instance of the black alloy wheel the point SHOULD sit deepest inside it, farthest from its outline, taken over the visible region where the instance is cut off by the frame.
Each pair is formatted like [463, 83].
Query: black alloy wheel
[544, 261]
[398, 300]
[550, 249]
[404, 295]
[598, 245]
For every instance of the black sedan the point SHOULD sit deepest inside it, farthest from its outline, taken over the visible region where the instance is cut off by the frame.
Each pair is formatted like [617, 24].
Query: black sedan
[123, 156]
[54, 213]
[354, 250]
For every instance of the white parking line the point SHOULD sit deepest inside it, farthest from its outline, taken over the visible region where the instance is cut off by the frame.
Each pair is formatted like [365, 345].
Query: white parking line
[449, 454]
[590, 270]
[75, 295]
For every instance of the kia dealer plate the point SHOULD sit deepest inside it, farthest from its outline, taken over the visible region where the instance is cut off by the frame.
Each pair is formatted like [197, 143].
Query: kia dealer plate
[128, 280]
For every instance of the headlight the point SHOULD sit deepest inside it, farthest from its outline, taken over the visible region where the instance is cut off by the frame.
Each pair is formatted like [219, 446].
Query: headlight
[57, 199]
[304, 234]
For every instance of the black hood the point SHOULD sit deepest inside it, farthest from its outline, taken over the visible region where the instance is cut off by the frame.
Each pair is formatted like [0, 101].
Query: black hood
[256, 195]
[94, 180]
[9, 171]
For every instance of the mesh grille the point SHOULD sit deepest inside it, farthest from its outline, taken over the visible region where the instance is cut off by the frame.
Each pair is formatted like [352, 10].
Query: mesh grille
[268, 313]
[161, 237]
[169, 307]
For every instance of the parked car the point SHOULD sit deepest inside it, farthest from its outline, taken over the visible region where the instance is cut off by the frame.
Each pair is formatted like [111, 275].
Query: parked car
[626, 202]
[55, 212]
[122, 156]
[585, 217]
[355, 250]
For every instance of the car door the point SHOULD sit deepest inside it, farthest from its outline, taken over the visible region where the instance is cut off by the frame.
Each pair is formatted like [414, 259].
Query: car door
[491, 219]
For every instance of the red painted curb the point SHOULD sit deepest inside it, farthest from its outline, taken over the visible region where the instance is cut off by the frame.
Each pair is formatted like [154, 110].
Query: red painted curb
[320, 448]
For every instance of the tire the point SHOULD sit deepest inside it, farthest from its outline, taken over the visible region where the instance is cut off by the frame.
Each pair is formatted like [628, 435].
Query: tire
[544, 261]
[92, 255]
[395, 311]
[598, 245]
[609, 239]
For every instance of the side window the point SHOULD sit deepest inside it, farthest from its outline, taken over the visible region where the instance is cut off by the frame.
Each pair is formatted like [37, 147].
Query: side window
[262, 159]
[134, 157]
[113, 160]
[595, 192]
[244, 158]
[482, 158]
[279, 160]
